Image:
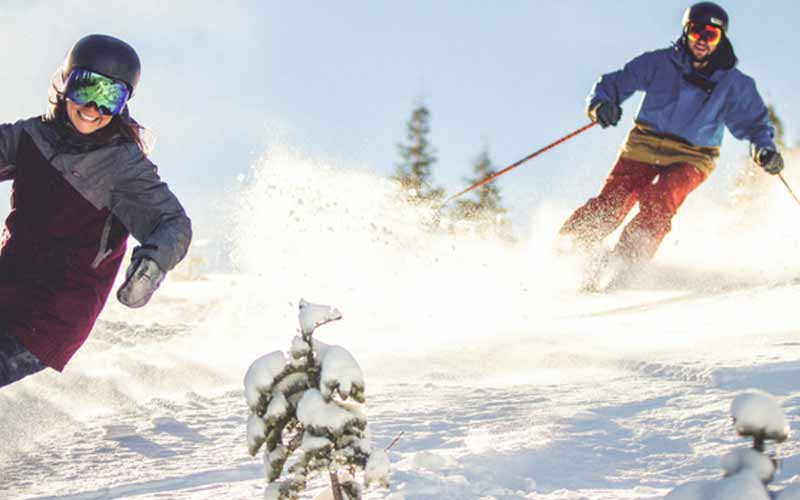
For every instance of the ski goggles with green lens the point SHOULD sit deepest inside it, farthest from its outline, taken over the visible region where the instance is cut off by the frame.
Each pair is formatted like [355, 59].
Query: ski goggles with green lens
[109, 95]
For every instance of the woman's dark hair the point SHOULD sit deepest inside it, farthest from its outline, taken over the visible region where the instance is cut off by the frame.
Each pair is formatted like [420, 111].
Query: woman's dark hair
[121, 125]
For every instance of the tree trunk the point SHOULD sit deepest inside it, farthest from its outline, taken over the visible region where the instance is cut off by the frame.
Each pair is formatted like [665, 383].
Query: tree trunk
[337, 491]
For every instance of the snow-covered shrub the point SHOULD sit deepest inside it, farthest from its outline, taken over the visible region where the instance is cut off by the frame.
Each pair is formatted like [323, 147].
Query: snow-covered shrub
[748, 459]
[755, 415]
[306, 409]
[744, 486]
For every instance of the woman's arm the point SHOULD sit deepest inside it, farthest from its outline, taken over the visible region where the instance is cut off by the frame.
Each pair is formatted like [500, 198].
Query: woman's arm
[152, 214]
[9, 141]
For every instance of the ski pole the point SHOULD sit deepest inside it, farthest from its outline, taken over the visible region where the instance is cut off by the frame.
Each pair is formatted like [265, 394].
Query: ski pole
[780, 176]
[520, 162]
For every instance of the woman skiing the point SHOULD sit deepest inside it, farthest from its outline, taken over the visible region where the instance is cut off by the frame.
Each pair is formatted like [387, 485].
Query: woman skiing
[81, 184]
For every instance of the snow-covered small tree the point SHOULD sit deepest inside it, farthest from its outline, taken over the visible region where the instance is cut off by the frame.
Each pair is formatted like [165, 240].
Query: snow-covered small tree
[306, 409]
[746, 472]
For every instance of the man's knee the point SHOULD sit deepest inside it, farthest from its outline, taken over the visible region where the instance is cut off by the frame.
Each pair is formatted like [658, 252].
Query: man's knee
[668, 193]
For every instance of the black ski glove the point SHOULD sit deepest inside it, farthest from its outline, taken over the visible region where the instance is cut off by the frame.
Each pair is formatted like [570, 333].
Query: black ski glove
[606, 113]
[771, 161]
[141, 280]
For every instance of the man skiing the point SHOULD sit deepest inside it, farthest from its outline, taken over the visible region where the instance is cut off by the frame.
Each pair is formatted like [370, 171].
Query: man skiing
[692, 90]
[82, 184]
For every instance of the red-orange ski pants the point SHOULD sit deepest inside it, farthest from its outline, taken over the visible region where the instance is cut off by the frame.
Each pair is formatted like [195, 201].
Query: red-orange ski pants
[659, 191]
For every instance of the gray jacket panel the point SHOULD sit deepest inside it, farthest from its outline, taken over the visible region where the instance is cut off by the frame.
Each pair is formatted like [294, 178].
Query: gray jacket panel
[118, 177]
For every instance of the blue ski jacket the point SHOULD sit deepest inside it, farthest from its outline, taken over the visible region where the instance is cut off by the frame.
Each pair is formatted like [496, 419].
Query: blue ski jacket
[673, 106]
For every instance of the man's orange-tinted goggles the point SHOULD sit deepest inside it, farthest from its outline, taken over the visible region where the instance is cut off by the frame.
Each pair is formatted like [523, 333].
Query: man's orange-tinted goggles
[711, 34]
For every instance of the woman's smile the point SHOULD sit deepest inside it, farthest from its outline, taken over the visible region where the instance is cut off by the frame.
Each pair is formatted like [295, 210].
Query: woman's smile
[87, 118]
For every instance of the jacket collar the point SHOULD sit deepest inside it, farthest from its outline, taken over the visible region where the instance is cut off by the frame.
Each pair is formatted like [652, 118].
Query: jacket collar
[68, 140]
[724, 60]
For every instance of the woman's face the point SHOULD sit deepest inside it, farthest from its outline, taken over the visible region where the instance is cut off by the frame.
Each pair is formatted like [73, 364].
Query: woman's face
[87, 118]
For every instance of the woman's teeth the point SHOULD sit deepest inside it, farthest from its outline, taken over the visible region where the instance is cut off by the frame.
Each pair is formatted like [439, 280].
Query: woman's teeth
[87, 117]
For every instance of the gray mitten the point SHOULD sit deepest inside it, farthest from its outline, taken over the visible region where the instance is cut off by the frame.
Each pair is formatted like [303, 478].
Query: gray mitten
[141, 280]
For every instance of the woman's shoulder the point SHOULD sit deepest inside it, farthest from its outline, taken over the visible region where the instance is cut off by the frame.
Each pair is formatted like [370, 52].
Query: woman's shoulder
[32, 125]
[132, 166]
[133, 156]
[38, 130]
[17, 127]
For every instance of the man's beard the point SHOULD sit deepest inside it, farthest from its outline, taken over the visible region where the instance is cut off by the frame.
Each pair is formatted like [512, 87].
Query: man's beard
[706, 58]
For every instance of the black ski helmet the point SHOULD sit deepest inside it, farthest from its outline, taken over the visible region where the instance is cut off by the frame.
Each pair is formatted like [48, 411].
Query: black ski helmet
[706, 13]
[106, 55]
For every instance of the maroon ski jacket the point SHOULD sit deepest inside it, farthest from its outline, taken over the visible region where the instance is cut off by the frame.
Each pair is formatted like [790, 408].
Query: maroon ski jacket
[73, 204]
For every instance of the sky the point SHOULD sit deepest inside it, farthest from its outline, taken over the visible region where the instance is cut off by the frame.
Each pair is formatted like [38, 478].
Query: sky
[223, 82]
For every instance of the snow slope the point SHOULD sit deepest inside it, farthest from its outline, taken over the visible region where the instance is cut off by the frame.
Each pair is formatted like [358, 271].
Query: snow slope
[504, 382]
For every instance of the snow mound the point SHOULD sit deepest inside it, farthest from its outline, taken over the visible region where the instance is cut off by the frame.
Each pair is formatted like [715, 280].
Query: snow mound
[299, 348]
[791, 492]
[273, 492]
[325, 494]
[313, 315]
[756, 413]
[313, 411]
[430, 461]
[315, 443]
[377, 469]
[261, 375]
[742, 486]
[119, 432]
[277, 409]
[738, 460]
[256, 429]
[341, 373]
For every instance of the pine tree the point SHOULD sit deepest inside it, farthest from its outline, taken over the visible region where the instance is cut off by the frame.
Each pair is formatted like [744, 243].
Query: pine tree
[485, 208]
[414, 171]
[488, 200]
